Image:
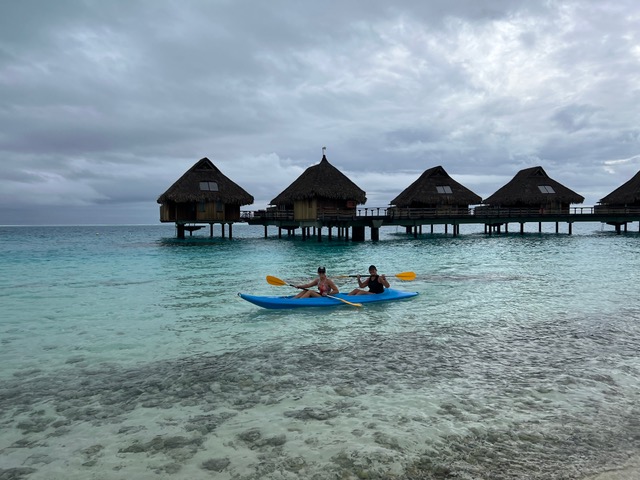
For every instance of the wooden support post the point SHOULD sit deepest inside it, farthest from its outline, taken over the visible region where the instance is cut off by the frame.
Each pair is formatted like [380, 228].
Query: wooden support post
[521, 228]
[180, 233]
[539, 227]
[211, 229]
[330, 237]
[432, 229]
[279, 232]
[557, 227]
[357, 233]
[446, 228]
[570, 228]
[265, 231]
[222, 224]
[375, 234]
[230, 230]
[319, 233]
[506, 227]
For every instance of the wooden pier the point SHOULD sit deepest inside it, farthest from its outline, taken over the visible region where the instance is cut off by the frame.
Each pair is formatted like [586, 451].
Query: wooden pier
[494, 220]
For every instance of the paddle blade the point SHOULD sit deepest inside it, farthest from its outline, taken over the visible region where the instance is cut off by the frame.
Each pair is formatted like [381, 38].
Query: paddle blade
[345, 301]
[271, 280]
[407, 276]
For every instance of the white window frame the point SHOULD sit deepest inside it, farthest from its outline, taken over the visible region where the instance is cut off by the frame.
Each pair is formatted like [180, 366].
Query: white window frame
[208, 186]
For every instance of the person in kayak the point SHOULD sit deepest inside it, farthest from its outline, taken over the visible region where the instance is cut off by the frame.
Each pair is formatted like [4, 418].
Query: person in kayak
[324, 283]
[376, 283]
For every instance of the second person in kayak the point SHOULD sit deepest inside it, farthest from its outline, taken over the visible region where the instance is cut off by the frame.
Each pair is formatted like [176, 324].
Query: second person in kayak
[376, 283]
[325, 286]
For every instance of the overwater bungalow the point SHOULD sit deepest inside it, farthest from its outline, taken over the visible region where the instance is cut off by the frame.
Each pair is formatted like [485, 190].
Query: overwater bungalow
[623, 200]
[203, 195]
[435, 193]
[322, 191]
[626, 196]
[532, 191]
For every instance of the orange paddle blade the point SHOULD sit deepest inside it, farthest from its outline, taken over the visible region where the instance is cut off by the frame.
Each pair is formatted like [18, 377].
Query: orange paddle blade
[271, 280]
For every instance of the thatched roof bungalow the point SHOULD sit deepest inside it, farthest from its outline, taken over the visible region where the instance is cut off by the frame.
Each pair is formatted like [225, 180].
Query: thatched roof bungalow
[533, 189]
[321, 189]
[626, 195]
[436, 190]
[203, 195]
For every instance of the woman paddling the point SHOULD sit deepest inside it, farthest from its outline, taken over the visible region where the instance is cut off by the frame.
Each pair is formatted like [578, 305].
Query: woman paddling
[376, 283]
[324, 283]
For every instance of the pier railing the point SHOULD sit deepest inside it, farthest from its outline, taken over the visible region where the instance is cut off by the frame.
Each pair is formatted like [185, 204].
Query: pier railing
[412, 213]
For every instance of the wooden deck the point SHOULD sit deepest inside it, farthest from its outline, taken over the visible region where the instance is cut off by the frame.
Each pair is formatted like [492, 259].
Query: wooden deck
[413, 219]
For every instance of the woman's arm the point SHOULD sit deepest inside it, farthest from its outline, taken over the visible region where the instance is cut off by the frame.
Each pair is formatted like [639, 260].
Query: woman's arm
[383, 280]
[362, 283]
[308, 285]
[334, 288]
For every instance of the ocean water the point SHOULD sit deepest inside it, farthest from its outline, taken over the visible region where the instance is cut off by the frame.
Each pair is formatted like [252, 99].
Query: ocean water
[126, 353]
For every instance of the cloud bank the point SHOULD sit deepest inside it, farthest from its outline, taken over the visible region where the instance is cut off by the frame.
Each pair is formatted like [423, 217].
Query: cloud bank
[103, 105]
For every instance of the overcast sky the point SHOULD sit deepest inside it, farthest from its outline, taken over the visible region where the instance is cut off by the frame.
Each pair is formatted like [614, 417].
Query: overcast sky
[104, 104]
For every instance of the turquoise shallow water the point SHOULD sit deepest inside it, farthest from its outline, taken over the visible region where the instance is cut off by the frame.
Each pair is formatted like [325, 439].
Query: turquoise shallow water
[126, 353]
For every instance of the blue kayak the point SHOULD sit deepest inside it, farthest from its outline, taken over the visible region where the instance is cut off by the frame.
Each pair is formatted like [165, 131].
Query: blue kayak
[275, 302]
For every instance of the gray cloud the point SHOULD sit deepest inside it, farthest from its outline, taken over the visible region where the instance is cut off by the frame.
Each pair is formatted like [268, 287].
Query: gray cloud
[103, 105]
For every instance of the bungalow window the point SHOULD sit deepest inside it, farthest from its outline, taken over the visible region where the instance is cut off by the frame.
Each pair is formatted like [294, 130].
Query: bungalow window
[209, 186]
[202, 207]
[444, 189]
[546, 189]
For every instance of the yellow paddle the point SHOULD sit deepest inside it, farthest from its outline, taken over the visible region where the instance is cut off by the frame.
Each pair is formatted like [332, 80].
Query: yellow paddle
[406, 276]
[271, 280]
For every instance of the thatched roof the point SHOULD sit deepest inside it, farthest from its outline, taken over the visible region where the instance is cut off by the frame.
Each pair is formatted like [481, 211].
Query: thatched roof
[216, 187]
[321, 181]
[431, 189]
[626, 194]
[525, 188]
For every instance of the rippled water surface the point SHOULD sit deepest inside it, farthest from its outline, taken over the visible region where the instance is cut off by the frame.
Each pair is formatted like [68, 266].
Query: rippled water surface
[126, 353]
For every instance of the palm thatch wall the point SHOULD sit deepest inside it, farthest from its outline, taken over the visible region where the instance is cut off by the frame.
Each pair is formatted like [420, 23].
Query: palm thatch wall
[434, 189]
[203, 194]
[532, 188]
[626, 195]
[321, 187]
